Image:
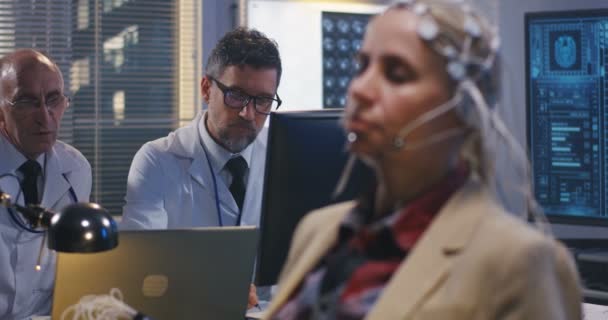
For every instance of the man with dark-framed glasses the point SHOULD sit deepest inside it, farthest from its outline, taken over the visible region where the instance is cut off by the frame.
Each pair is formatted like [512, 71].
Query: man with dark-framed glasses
[210, 173]
[238, 100]
[35, 168]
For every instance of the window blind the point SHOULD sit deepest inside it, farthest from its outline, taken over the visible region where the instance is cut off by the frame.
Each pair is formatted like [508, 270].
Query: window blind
[131, 66]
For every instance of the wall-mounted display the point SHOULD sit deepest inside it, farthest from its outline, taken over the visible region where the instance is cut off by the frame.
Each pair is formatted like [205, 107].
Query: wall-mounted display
[297, 27]
[342, 34]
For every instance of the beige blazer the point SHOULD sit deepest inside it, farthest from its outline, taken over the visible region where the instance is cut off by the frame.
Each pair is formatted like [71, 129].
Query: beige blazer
[474, 262]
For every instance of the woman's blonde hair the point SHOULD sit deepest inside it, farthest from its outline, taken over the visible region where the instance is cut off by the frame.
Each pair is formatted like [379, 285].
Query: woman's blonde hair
[469, 44]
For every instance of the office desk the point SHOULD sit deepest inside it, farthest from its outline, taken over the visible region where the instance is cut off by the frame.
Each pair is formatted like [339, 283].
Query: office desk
[595, 312]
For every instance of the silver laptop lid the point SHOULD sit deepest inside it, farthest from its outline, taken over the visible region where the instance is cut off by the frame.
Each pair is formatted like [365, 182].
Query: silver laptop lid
[166, 274]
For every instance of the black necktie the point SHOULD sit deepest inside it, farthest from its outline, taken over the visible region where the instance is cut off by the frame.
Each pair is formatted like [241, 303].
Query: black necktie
[237, 167]
[30, 170]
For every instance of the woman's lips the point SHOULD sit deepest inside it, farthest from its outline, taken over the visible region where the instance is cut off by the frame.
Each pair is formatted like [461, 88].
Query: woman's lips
[358, 125]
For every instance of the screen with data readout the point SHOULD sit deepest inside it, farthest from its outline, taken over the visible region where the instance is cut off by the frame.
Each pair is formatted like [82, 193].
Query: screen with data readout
[567, 95]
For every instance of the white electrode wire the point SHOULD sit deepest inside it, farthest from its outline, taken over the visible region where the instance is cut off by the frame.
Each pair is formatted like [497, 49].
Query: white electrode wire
[518, 154]
[508, 93]
[399, 140]
[465, 55]
[100, 307]
[345, 176]
[435, 138]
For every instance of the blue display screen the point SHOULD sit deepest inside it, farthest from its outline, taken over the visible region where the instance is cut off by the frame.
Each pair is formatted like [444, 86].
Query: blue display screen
[567, 97]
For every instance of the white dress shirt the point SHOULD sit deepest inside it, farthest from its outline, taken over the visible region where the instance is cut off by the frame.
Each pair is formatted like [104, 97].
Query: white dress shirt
[219, 156]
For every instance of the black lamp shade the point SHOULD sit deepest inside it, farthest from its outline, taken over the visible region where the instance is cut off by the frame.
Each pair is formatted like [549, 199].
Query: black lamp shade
[82, 227]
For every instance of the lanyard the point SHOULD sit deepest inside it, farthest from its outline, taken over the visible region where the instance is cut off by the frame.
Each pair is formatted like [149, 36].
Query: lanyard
[217, 197]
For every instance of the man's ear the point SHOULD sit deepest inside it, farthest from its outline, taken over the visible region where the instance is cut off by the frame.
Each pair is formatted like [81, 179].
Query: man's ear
[205, 89]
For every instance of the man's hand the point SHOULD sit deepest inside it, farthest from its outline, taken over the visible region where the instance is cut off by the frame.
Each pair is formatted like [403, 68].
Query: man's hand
[253, 297]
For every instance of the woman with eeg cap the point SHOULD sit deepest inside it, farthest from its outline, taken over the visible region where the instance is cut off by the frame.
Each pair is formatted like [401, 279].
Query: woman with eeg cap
[430, 241]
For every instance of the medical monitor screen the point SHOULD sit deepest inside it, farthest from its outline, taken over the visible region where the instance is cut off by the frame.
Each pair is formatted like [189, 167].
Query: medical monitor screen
[567, 95]
[305, 158]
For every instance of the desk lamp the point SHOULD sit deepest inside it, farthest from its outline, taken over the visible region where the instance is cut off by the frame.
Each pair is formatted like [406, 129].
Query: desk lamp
[79, 227]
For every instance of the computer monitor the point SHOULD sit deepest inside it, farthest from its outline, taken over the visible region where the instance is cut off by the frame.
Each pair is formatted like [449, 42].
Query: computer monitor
[306, 155]
[567, 116]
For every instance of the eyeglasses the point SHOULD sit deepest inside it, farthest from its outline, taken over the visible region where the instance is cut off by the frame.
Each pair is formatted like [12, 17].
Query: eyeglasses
[52, 103]
[237, 99]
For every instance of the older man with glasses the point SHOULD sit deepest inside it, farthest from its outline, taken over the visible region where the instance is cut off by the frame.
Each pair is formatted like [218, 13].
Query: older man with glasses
[35, 169]
[211, 172]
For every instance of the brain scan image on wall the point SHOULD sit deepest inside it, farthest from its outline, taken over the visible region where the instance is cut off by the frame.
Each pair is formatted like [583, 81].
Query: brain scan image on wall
[342, 35]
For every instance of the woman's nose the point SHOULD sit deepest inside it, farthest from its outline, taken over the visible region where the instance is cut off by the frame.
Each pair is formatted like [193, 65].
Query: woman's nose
[361, 92]
[363, 88]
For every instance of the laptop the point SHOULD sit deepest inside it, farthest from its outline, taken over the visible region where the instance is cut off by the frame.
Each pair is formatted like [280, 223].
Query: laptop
[201, 273]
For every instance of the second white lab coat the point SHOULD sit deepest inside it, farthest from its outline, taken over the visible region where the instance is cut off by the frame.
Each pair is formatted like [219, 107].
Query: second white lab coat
[170, 185]
[23, 290]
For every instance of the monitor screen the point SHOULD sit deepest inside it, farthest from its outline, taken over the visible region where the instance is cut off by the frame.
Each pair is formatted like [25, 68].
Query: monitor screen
[567, 93]
[306, 156]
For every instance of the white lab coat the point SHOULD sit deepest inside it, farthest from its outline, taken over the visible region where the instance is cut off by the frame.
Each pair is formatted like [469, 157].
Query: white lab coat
[24, 291]
[170, 185]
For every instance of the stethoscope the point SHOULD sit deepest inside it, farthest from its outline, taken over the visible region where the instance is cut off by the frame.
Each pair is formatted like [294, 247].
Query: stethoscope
[217, 197]
[15, 217]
